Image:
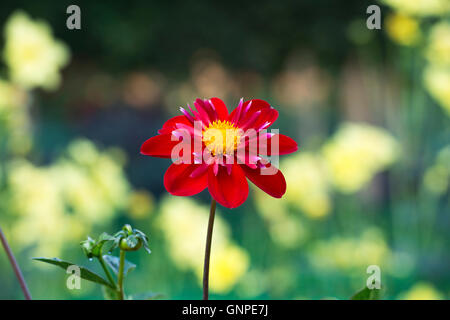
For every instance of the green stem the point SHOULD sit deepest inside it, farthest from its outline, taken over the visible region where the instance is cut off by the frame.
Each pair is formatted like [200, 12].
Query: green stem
[121, 275]
[15, 266]
[212, 213]
[108, 274]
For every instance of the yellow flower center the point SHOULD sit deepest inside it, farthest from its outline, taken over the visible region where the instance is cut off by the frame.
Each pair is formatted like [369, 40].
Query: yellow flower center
[221, 137]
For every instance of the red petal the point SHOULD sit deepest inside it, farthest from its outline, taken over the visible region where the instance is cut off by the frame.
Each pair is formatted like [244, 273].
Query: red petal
[286, 145]
[268, 114]
[274, 185]
[205, 113]
[266, 119]
[230, 190]
[221, 108]
[170, 124]
[159, 146]
[178, 180]
[257, 104]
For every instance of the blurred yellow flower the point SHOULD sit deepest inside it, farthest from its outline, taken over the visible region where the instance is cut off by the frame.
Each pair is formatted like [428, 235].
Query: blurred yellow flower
[140, 204]
[33, 56]
[403, 29]
[60, 203]
[92, 183]
[436, 178]
[422, 291]
[351, 253]
[14, 118]
[270, 208]
[287, 232]
[41, 220]
[438, 50]
[436, 75]
[420, 8]
[10, 96]
[306, 177]
[356, 153]
[83, 152]
[183, 223]
[228, 265]
[284, 229]
[437, 82]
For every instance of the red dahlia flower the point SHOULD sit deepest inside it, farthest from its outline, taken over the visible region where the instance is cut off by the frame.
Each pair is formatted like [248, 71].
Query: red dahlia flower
[212, 130]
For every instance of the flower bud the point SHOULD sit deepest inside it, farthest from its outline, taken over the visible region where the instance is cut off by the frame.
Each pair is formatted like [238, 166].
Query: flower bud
[131, 243]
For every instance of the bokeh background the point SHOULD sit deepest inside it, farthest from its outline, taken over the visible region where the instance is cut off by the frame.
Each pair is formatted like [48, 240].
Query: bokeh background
[369, 108]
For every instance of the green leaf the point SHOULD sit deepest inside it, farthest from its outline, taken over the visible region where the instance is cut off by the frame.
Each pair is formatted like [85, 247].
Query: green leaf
[113, 262]
[93, 248]
[110, 294]
[105, 237]
[367, 294]
[85, 273]
[146, 296]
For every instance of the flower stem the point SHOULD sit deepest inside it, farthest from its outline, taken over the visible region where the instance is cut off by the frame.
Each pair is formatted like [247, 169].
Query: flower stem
[212, 213]
[15, 266]
[121, 275]
[108, 274]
